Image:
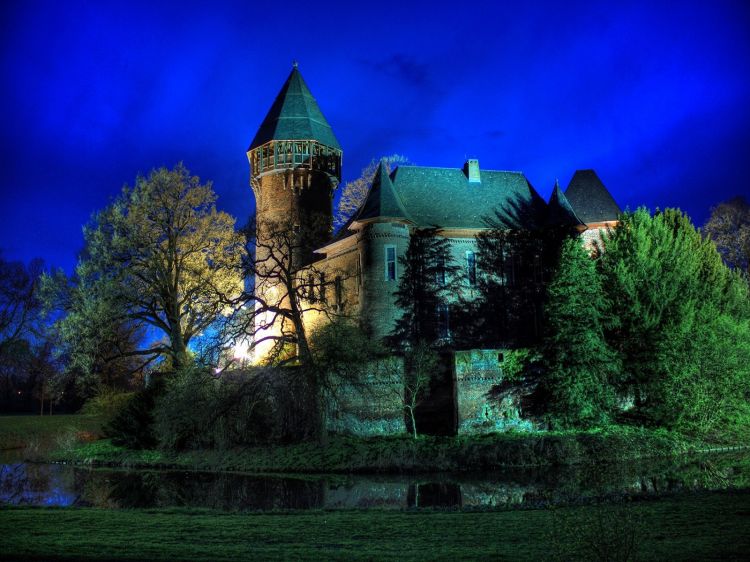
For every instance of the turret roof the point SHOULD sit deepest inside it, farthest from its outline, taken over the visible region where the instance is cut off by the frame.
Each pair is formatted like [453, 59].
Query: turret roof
[295, 115]
[560, 211]
[590, 199]
[382, 200]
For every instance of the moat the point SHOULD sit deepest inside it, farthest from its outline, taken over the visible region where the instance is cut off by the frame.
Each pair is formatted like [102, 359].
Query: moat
[32, 484]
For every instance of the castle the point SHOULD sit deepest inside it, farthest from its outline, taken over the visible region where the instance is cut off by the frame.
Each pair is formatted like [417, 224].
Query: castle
[295, 167]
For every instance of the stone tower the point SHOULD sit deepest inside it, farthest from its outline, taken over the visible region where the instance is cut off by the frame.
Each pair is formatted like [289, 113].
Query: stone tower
[295, 166]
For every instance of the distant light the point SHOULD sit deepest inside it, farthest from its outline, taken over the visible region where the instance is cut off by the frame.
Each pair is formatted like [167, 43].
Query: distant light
[241, 351]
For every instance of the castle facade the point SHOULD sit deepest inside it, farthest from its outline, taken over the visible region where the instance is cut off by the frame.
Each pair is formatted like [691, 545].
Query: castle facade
[295, 168]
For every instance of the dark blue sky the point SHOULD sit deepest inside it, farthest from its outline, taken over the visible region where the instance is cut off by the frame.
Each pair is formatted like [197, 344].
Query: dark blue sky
[653, 95]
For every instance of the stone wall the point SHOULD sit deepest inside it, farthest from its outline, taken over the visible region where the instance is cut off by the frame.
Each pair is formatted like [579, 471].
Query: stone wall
[371, 403]
[484, 403]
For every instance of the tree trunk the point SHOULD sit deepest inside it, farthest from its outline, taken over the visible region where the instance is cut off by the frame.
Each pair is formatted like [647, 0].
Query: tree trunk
[413, 421]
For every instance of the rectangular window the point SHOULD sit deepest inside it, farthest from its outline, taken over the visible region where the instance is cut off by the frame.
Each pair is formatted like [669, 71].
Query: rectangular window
[471, 268]
[359, 271]
[310, 287]
[339, 287]
[390, 263]
[440, 271]
[322, 291]
[443, 321]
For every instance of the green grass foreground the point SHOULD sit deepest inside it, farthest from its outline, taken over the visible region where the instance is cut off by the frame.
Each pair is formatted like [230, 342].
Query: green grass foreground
[713, 526]
[23, 431]
[403, 454]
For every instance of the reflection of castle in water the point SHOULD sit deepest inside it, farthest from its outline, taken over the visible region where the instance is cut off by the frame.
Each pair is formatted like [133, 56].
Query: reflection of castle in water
[64, 485]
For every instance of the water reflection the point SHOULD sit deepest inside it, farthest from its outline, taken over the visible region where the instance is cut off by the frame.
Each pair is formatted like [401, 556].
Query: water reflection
[60, 485]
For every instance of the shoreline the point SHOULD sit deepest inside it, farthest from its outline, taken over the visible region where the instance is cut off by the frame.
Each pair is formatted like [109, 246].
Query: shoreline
[389, 455]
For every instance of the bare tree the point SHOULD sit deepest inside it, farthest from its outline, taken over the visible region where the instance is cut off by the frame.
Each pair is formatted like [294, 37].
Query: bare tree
[288, 292]
[286, 289]
[19, 302]
[421, 365]
[729, 228]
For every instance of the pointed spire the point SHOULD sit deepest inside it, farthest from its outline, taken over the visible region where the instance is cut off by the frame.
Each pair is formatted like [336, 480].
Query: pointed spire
[295, 115]
[590, 199]
[560, 209]
[382, 200]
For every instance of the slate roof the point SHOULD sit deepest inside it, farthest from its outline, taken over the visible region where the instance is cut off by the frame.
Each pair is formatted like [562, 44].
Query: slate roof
[590, 199]
[444, 197]
[295, 115]
[559, 209]
[382, 200]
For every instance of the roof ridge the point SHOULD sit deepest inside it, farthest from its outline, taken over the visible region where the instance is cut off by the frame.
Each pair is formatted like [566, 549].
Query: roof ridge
[520, 172]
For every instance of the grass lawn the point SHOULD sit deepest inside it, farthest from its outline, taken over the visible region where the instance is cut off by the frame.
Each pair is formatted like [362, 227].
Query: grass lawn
[22, 431]
[404, 454]
[709, 526]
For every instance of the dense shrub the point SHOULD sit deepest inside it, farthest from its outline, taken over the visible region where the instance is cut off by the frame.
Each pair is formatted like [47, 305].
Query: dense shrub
[133, 426]
[199, 410]
[107, 404]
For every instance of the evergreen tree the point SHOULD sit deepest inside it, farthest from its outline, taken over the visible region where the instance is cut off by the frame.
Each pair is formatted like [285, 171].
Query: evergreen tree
[429, 280]
[681, 320]
[580, 367]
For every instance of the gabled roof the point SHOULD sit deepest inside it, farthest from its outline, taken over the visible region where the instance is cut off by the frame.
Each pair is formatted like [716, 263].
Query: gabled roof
[382, 200]
[295, 115]
[444, 197]
[590, 199]
[560, 211]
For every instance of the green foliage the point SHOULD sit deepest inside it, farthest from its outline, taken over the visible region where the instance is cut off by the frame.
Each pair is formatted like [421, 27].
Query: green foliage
[429, 281]
[93, 335]
[344, 362]
[133, 426]
[681, 323]
[515, 264]
[517, 362]
[161, 256]
[581, 369]
[398, 454]
[107, 404]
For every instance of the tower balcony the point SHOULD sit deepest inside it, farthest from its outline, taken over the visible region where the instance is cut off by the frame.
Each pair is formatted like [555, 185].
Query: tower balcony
[294, 154]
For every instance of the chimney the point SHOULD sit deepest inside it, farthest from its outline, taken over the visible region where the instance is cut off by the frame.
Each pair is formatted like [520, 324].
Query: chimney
[471, 169]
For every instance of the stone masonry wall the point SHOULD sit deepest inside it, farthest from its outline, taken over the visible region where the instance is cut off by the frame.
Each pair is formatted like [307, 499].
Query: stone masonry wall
[372, 404]
[481, 407]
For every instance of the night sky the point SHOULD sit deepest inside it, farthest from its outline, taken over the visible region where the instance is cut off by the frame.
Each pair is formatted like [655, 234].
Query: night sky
[655, 96]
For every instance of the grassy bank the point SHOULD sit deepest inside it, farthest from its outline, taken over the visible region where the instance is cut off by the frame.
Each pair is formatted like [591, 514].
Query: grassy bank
[403, 454]
[45, 431]
[690, 527]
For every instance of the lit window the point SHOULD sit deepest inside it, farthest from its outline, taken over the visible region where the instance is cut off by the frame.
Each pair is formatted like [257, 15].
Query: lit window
[390, 263]
[471, 268]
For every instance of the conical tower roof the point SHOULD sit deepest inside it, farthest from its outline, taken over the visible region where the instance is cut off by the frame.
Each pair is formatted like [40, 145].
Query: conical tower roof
[560, 210]
[295, 115]
[382, 200]
[589, 198]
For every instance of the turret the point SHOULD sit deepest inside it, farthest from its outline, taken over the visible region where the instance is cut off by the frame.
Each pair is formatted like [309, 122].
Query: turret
[295, 165]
